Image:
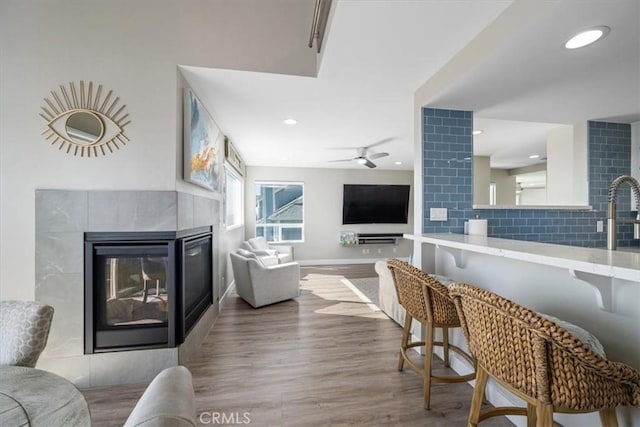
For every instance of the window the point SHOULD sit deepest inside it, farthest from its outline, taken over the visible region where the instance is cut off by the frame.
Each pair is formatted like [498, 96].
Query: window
[233, 203]
[279, 211]
[492, 194]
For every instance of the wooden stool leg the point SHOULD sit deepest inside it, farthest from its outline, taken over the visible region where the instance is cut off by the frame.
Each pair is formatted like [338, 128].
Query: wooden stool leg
[531, 415]
[544, 415]
[428, 356]
[406, 331]
[608, 417]
[478, 396]
[445, 345]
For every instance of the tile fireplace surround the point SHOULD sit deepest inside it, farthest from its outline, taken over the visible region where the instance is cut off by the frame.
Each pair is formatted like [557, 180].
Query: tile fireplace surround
[62, 218]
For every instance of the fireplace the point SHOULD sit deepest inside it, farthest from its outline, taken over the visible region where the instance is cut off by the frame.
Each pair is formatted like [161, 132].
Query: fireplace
[145, 289]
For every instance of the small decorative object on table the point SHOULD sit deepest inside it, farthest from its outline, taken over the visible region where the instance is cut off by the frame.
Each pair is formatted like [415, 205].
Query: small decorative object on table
[348, 238]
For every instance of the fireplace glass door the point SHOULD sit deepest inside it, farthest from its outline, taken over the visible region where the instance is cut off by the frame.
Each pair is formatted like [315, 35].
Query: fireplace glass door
[135, 289]
[131, 294]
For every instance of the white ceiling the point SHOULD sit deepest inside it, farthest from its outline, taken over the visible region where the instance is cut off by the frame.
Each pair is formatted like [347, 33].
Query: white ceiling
[378, 53]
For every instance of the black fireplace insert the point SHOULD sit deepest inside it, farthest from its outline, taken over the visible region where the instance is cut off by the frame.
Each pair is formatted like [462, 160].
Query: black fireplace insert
[145, 289]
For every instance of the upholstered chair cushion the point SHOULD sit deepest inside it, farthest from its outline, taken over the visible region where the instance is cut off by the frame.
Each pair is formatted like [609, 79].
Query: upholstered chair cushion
[582, 334]
[245, 253]
[246, 246]
[266, 260]
[24, 329]
[168, 401]
[259, 245]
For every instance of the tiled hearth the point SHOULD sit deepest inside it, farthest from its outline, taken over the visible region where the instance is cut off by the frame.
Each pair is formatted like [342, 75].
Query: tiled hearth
[62, 218]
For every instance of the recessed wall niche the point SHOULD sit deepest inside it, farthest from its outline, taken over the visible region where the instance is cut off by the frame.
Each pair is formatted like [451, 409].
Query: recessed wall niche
[83, 122]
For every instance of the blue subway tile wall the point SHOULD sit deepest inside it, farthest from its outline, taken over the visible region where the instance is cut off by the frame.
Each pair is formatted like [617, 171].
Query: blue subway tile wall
[447, 177]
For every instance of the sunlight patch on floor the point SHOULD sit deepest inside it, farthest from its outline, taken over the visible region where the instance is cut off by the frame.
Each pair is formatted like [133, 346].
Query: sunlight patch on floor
[352, 309]
[360, 295]
[349, 300]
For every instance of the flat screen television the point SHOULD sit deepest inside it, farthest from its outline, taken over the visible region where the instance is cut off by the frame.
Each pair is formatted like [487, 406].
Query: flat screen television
[375, 204]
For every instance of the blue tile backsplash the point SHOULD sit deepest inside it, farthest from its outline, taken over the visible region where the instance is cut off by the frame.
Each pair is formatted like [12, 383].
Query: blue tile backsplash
[447, 178]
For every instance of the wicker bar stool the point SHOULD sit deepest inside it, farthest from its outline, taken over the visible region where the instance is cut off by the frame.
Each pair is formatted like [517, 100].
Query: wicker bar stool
[538, 361]
[426, 300]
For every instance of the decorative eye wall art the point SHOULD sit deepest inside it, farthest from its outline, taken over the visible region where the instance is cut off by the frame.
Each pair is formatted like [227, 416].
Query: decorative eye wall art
[84, 123]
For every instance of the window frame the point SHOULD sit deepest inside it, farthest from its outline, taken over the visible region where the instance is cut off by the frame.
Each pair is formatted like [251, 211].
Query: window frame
[300, 225]
[241, 181]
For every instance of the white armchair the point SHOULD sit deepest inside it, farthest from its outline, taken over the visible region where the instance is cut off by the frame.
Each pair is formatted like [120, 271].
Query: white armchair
[259, 284]
[260, 247]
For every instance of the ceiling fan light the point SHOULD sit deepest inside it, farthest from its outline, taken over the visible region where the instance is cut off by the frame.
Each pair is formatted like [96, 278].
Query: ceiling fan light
[361, 161]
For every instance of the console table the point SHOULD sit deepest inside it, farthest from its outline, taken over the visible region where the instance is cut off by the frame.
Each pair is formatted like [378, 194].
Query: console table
[32, 397]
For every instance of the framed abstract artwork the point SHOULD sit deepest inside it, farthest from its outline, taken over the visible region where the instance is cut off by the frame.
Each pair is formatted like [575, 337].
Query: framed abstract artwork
[202, 144]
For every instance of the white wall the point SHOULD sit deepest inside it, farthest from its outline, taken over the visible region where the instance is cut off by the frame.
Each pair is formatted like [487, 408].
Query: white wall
[481, 179]
[505, 187]
[323, 211]
[567, 165]
[580, 164]
[133, 48]
[533, 196]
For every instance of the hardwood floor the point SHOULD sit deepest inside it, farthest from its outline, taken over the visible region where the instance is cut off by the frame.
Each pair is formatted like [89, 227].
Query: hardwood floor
[325, 358]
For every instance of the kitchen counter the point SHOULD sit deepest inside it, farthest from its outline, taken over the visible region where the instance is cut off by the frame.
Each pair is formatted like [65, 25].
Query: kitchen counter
[622, 264]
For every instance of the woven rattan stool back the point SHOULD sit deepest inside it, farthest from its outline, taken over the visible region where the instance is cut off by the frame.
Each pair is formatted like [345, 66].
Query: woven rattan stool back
[540, 361]
[422, 296]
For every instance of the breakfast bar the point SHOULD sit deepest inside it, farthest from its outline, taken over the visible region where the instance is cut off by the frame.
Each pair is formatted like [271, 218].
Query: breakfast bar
[596, 289]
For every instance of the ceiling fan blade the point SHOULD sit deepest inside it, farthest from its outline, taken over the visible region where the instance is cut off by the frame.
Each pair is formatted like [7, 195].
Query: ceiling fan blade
[378, 155]
[342, 148]
[382, 141]
[341, 160]
[370, 164]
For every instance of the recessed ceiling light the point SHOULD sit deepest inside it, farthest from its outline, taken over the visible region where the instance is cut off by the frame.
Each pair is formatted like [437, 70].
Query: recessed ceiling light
[586, 37]
[398, 163]
[534, 156]
[477, 132]
[290, 122]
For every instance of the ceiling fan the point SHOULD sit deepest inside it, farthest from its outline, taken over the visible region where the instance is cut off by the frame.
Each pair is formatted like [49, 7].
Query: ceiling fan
[364, 155]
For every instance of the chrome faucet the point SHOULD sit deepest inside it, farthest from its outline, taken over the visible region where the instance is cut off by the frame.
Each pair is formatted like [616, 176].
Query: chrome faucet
[612, 243]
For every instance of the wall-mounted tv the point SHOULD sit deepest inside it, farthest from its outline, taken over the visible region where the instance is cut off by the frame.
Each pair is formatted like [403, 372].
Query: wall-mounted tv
[375, 204]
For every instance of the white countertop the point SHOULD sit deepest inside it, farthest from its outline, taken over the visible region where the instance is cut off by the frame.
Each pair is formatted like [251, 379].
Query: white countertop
[619, 264]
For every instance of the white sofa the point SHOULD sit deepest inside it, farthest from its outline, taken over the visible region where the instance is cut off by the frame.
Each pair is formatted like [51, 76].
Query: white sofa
[387, 295]
[260, 284]
[260, 247]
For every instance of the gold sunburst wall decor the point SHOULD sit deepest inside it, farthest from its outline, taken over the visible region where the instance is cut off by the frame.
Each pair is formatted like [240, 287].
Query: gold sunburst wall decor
[84, 123]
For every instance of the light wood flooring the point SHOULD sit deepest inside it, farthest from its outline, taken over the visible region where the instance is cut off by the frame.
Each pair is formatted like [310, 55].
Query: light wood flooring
[325, 358]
